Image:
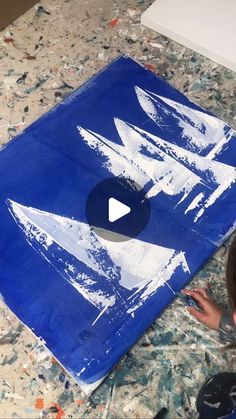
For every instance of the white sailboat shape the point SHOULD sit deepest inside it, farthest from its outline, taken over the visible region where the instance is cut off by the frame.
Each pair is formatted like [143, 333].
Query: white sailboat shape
[168, 174]
[103, 272]
[158, 172]
[112, 157]
[217, 176]
[53, 237]
[201, 131]
[161, 166]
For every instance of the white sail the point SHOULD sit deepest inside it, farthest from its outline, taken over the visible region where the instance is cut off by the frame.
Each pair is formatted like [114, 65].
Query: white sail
[210, 171]
[167, 174]
[216, 175]
[113, 261]
[162, 166]
[50, 235]
[113, 158]
[200, 130]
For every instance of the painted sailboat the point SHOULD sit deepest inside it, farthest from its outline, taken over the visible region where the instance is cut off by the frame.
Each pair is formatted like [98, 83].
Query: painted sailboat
[98, 269]
[161, 166]
[198, 131]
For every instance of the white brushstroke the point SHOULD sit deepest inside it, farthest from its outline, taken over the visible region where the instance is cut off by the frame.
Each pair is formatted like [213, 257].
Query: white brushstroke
[160, 171]
[66, 232]
[170, 168]
[199, 129]
[195, 202]
[222, 237]
[214, 196]
[100, 315]
[76, 238]
[80, 372]
[161, 166]
[214, 174]
[153, 267]
[221, 144]
[114, 160]
[168, 175]
[149, 287]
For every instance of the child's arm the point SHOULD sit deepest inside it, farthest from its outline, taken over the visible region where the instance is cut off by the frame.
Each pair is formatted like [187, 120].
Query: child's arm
[212, 316]
[210, 313]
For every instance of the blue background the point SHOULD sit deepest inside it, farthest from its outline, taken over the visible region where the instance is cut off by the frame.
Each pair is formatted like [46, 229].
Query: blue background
[49, 167]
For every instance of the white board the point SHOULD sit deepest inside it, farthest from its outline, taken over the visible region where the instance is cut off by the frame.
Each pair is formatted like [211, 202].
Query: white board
[206, 26]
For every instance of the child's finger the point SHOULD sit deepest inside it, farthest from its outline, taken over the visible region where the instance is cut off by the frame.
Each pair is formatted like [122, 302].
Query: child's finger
[202, 292]
[198, 297]
[197, 314]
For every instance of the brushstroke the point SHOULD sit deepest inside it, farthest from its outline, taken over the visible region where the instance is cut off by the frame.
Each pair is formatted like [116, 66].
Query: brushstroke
[161, 166]
[74, 250]
[201, 131]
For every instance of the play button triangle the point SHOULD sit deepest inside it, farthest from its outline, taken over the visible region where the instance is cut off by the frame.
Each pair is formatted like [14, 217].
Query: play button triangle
[116, 210]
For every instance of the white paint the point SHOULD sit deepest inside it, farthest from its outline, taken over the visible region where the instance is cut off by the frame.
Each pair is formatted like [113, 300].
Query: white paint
[100, 315]
[223, 237]
[73, 237]
[195, 202]
[162, 166]
[112, 158]
[215, 175]
[214, 196]
[80, 372]
[149, 259]
[198, 128]
[221, 144]
[117, 210]
[167, 174]
[148, 288]
[159, 171]
[154, 265]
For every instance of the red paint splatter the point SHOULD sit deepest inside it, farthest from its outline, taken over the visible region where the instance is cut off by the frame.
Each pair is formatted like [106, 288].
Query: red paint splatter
[113, 22]
[150, 67]
[9, 40]
[39, 404]
[60, 411]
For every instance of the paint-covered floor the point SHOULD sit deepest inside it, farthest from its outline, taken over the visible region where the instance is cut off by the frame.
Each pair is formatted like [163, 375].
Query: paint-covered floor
[44, 55]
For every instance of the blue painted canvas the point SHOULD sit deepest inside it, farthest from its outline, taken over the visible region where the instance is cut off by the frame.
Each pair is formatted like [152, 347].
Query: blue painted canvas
[89, 298]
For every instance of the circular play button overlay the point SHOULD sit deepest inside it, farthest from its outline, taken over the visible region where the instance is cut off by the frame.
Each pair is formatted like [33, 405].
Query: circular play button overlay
[117, 209]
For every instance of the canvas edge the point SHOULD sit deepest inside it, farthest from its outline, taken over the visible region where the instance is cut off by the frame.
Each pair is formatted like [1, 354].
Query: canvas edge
[149, 23]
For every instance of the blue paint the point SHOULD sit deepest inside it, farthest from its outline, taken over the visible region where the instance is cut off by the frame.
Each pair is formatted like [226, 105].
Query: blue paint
[50, 168]
[188, 301]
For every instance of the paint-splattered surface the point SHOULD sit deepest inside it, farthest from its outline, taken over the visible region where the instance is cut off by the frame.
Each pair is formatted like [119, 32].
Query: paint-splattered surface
[44, 55]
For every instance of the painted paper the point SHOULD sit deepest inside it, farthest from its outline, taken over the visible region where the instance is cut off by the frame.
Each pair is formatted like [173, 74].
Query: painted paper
[88, 298]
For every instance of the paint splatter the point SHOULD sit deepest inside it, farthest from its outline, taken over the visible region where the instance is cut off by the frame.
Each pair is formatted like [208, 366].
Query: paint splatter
[56, 408]
[114, 22]
[39, 403]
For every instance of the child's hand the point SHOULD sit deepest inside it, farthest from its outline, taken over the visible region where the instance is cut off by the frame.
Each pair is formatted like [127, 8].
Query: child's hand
[210, 314]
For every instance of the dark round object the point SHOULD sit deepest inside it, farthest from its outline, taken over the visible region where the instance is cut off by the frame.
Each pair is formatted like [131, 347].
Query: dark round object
[128, 193]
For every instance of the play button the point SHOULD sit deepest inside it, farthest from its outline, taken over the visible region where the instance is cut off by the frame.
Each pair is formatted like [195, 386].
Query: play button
[117, 209]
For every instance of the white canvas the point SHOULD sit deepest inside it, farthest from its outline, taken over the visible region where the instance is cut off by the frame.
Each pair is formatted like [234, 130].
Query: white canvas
[206, 26]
